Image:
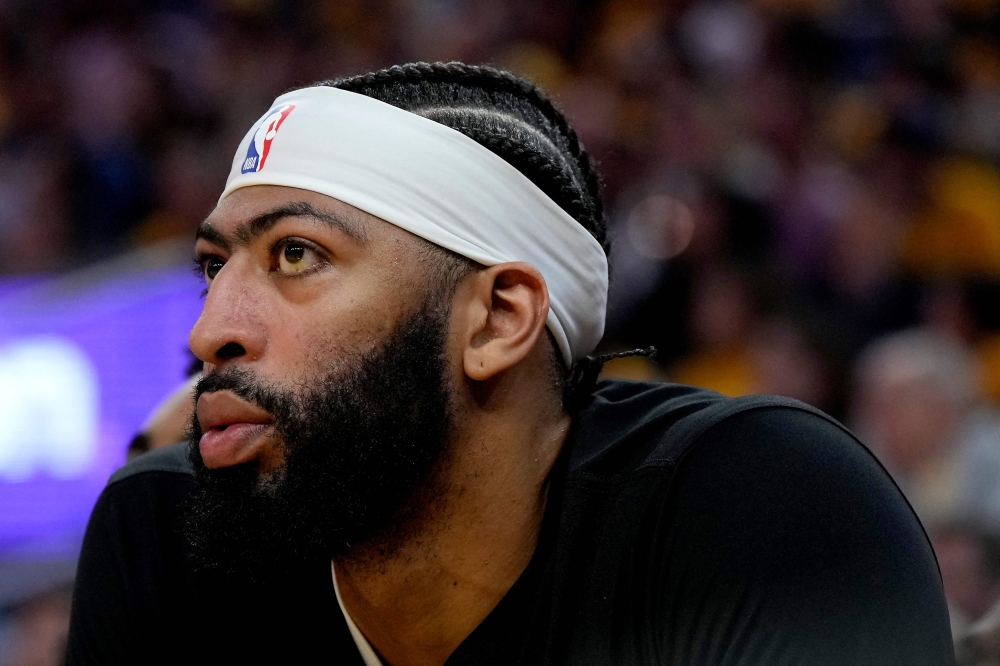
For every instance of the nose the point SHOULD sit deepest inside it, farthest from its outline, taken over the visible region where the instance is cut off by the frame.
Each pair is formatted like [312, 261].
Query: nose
[232, 321]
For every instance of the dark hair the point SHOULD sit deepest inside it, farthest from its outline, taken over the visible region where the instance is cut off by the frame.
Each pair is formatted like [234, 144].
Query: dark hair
[514, 119]
[138, 446]
[504, 113]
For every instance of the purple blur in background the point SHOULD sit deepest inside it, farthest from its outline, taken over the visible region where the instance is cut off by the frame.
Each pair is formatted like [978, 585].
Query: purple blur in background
[103, 350]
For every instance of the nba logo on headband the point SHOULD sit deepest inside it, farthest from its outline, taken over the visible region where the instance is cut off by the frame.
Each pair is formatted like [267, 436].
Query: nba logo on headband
[260, 146]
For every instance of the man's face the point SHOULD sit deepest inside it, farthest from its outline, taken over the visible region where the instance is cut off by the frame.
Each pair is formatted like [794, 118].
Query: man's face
[291, 297]
[325, 406]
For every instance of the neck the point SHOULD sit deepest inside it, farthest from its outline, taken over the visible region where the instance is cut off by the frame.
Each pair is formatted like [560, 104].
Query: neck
[418, 603]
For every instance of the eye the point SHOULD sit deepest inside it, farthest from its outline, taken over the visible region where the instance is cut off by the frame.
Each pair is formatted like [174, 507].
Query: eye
[296, 257]
[211, 266]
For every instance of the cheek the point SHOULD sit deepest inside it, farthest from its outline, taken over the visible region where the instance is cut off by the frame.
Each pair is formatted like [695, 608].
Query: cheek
[320, 337]
[329, 319]
[304, 345]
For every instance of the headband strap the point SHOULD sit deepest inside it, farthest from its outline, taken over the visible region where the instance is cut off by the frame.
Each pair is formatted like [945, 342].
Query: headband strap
[436, 183]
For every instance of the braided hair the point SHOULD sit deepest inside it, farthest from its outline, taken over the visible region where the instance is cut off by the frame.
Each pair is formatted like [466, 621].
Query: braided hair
[504, 113]
[515, 120]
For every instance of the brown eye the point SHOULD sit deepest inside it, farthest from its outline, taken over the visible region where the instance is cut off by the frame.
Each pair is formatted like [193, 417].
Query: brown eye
[294, 253]
[296, 257]
[212, 268]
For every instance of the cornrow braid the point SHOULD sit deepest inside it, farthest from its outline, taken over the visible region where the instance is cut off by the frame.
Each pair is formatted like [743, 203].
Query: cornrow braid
[504, 113]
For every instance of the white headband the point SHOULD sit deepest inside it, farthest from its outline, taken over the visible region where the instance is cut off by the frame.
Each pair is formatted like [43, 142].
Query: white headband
[436, 183]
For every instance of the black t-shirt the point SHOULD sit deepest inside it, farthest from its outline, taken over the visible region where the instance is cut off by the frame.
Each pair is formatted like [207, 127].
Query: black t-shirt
[682, 528]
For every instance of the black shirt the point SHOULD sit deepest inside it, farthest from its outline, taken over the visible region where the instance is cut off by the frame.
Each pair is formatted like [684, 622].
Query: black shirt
[682, 528]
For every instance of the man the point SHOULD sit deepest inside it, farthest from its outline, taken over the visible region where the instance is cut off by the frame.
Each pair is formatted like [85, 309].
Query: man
[397, 455]
[920, 406]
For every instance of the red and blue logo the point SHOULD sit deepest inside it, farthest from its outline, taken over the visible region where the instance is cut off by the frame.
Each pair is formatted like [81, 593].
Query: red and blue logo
[260, 146]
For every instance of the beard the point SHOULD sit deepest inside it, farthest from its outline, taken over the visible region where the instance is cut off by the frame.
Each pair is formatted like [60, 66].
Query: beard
[363, 446]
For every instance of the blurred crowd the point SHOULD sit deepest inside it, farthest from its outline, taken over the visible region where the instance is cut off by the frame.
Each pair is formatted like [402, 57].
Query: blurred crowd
[804, 195]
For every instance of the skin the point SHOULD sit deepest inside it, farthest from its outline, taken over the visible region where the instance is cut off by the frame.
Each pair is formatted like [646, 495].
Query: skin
[291, 312]
[168, 422]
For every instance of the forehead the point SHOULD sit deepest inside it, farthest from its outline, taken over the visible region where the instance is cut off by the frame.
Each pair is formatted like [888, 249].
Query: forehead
[252, 203]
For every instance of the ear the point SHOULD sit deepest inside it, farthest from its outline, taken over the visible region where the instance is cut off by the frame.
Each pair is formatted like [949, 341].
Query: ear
[507, 308]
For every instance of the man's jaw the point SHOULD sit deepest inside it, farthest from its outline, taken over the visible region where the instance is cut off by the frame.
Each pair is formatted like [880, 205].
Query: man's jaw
[234, 431]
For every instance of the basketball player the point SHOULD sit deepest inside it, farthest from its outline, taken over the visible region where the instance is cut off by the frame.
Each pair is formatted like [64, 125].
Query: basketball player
[398, 455]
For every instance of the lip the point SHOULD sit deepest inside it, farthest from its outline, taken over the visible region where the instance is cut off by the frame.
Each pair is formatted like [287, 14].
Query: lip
[233, 430]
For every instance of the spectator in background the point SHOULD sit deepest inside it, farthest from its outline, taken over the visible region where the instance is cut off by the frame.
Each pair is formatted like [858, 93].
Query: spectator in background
[186, 187]
[34, 631]
[723, 308]
[32, 210]
[739, 350]
[108, 102]
[918, 405]
[787, 361]
[969, 557]
[168, 422]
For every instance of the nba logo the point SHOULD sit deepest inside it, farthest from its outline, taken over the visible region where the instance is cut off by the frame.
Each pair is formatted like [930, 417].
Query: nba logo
[260, 146]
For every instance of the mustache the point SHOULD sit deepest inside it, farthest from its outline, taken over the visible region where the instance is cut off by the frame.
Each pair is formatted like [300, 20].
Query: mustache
[280, 404]
[240, 381]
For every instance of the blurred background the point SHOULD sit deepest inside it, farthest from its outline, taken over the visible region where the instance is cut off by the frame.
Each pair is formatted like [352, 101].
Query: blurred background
[804, 200]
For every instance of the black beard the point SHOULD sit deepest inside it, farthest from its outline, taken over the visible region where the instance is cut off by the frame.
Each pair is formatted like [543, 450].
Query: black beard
[362, 447]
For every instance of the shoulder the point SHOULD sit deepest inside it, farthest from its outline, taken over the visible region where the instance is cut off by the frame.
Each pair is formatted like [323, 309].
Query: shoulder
[768, 511]
[132, 589]
[171, 459]
[635, 425]
[749, 455]
[782, 510]
[135, 524]
[149, 491]
[783, 457]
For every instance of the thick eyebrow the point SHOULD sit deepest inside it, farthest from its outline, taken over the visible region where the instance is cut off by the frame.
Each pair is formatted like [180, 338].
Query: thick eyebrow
[249, 231]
